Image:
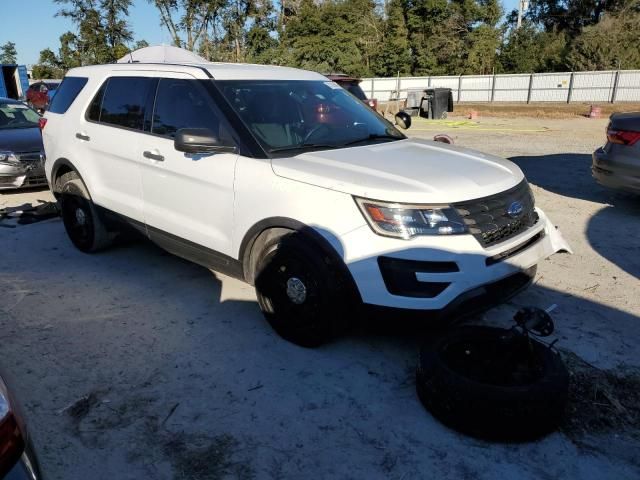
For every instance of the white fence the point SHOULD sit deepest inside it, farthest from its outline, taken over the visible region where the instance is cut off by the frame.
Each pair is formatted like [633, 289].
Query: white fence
[606, 86]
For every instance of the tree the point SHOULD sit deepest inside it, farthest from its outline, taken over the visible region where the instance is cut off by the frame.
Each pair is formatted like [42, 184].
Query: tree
[572, 16]
[48, 66]
[394, 56]
[103, 33]
[613, 43]
[530, 49]
[187, 20]
[8, 53]
[140, 44]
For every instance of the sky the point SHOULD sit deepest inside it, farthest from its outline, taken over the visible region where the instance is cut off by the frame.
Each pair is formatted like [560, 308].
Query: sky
[33, 26]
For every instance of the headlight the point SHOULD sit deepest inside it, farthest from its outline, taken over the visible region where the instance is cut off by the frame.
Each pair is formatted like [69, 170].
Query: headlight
[407, 221]
[8, 157]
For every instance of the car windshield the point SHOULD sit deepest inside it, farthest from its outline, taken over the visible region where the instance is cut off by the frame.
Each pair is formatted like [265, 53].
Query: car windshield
[290, 115]
[17, 115]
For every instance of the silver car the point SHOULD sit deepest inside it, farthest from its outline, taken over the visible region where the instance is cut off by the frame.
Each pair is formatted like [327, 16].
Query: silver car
[21, 150]
[617, 163]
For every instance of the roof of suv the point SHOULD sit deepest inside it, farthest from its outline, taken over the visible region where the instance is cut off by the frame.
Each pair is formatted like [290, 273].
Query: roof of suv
[219, 71]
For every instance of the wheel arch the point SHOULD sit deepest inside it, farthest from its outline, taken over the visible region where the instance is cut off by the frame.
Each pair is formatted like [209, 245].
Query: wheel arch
[250, 245]
[60, 167]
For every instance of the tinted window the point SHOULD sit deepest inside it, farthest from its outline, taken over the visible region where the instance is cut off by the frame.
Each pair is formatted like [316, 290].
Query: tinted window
[124, 101]
[355, 90]
[299, 114]
[67, 93]
[182, 104]
[93, 113]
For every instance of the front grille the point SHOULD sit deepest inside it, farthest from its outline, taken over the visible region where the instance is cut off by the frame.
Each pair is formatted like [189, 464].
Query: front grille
[488, 218]
[31, 157]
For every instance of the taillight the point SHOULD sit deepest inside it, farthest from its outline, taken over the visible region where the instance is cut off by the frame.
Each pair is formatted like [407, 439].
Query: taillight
[622, 137]
[42, 122]
[11, 439]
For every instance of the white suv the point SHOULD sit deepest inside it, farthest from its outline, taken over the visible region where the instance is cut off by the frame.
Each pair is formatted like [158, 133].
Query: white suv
[281, 178]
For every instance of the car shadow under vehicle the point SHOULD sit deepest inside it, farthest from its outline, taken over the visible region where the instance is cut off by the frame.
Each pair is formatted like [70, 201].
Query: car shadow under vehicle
[182, 361]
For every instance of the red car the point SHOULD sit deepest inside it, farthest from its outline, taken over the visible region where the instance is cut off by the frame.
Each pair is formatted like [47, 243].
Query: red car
[352, 85]
[39, 94]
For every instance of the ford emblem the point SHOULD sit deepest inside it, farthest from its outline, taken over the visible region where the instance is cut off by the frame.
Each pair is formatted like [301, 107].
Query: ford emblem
[515, 209]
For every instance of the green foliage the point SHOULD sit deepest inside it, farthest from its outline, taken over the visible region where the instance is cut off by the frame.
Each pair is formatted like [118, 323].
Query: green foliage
[613, 43]
[48, 66]
[365, 37]
[530, 49]
[103, 33]
[8, 53]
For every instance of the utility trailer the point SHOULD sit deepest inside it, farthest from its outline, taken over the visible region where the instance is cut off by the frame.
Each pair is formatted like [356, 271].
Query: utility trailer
[14, 81]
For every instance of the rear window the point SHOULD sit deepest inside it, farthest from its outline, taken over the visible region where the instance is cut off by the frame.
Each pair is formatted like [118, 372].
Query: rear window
[124, 100]
[67, 93]
[355, 90]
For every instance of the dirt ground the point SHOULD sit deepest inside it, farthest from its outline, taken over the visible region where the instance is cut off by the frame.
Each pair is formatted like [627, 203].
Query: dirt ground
[134, 364]
[543, 109]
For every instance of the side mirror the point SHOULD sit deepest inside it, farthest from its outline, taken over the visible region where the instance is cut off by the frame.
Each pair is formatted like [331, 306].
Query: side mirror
[403, 120]
[200, 140]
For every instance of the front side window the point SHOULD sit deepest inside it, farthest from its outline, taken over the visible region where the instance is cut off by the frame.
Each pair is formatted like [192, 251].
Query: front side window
[17, 115]
[182, 104]
[124, 101]
[299, 115]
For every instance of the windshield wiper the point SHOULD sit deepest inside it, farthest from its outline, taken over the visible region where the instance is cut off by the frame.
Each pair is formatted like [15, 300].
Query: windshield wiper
[303, 146]
[373, 136]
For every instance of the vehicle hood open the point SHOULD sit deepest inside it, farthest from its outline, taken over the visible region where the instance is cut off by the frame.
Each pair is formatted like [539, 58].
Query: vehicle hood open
[403, 171]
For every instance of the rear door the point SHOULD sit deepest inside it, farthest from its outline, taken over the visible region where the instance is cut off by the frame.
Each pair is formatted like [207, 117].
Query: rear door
[112, 132]
[188, 198]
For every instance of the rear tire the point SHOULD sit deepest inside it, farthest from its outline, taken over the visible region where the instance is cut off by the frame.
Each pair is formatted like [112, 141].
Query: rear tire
[80, 216]
[301, 292]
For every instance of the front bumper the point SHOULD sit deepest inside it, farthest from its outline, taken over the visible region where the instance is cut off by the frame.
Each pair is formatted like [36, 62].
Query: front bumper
[615, 173]
[18, 175]
[446, 270]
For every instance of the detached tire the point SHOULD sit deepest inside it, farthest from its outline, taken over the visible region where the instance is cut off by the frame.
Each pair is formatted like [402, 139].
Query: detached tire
[491, 409]
[80, 216]
[301, 292]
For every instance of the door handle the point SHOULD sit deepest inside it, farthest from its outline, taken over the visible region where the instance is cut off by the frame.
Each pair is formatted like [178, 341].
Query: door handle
[153, 156]
[83, 136]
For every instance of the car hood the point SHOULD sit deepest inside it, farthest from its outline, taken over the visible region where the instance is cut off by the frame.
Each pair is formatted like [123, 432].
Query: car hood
[407, 171]
[21, 139]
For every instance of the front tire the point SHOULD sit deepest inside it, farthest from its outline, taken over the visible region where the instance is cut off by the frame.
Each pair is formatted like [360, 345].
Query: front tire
[80, 216]
[301, 292]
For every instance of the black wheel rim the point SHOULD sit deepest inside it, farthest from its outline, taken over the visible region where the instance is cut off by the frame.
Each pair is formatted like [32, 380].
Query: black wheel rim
[302, 316]
[76, 214]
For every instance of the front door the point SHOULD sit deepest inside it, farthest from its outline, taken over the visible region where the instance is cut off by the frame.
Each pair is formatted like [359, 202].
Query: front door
[188, 198]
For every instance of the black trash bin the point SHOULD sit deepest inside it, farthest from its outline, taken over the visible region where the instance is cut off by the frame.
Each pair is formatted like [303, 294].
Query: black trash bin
[436, 103]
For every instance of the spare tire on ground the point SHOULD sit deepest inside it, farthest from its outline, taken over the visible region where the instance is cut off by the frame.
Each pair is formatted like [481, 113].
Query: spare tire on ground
[493, 383]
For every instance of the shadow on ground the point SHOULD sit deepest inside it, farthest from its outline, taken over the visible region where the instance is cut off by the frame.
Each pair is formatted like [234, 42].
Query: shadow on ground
[614, 230]
[190, 382]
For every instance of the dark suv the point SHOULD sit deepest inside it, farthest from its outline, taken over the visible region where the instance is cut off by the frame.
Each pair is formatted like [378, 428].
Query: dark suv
[352, 85]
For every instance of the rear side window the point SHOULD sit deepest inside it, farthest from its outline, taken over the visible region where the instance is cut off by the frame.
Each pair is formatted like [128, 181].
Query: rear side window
[124, 101]
[67, 93]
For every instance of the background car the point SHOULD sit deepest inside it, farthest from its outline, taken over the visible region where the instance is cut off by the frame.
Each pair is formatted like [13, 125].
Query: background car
[352, 85]
[21, 150]
[17, 457]
[40, 94]
[617, 163]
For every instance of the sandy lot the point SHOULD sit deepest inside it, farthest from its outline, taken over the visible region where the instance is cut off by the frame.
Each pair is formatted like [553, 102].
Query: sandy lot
[183, 378]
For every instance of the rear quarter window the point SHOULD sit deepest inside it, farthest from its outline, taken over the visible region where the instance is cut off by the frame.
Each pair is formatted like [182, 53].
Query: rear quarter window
[67, 93]
[124, 101]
